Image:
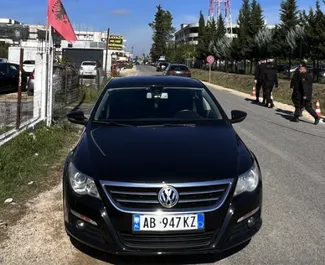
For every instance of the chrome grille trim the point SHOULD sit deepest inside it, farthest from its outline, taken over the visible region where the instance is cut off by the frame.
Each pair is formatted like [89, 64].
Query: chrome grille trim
[151, 197]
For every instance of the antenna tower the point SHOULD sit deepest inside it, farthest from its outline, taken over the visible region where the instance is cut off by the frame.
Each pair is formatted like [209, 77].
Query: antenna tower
[223, 7]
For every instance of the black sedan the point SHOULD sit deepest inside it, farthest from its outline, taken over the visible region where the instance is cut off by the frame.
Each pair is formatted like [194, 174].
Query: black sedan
[9, 77]
[177, 70]
[159, 169]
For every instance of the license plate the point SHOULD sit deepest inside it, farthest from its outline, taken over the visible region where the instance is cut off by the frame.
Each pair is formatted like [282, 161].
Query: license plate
[168, 222]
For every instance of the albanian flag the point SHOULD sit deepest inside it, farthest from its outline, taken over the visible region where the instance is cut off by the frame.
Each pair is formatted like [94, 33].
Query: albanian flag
[59, 20]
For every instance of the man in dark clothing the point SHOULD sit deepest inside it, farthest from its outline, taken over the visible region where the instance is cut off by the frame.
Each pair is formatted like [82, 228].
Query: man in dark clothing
[270, 80]
[305, 92]
[294, 85]
[258, 80]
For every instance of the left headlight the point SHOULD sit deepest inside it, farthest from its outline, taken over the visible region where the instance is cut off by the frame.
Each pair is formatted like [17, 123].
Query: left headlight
[81, 183]
[248, 181]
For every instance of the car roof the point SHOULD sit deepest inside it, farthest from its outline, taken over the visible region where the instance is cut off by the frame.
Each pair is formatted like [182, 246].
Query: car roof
[178, 64]
[158, 80]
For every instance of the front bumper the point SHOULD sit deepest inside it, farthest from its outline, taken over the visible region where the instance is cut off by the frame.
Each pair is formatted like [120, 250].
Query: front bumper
[108, 233]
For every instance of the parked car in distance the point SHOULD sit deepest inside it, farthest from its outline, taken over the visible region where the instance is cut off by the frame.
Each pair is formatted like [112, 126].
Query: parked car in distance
[161, 66]
[9, 77]
[88, 69]
[29, 66]
[177, 70]
[159, 170]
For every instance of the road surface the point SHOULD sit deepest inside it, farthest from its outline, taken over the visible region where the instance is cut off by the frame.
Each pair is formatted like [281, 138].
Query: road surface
[293, 233]
[292, 161]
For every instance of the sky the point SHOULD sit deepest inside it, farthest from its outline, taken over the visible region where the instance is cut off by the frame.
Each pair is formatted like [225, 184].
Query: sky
[129, 18]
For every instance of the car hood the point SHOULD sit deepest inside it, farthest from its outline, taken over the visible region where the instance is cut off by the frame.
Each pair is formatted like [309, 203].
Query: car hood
[151, 154]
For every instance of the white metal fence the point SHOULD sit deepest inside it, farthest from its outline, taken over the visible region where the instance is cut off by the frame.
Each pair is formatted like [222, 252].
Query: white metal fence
[50, 99]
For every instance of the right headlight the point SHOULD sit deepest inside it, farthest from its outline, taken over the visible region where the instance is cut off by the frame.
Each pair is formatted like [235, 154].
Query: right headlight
[81, 183]
[248, 181]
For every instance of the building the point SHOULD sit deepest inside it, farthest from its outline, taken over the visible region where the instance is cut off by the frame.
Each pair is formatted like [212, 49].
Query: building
[33, 36]
[189, 33]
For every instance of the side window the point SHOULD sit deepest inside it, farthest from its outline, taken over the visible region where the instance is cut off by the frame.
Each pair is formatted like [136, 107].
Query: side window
[206, 105]
[13, 69]
[4, 68]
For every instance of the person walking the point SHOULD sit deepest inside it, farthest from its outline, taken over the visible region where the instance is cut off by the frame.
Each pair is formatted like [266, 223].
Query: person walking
[294, 86]
[270, 80]
[258, 81]
[304, 92]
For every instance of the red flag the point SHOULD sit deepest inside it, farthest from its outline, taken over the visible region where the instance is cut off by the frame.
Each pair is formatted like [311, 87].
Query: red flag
[59, 20]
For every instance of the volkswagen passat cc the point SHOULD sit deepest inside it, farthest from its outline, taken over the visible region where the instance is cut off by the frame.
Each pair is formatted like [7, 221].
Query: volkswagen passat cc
[159, 169]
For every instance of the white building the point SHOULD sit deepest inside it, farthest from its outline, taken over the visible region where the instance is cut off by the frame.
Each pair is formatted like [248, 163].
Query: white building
[189, 33]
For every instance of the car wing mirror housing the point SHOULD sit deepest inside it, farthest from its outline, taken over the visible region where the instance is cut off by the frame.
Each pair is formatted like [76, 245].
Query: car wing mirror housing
[77, 117]
[237, 116]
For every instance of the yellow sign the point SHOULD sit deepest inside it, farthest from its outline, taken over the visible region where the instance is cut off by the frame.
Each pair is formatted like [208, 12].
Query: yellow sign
[115, 42]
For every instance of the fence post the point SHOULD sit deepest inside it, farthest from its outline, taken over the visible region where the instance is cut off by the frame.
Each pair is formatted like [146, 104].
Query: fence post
[20, 73]
[65, 86]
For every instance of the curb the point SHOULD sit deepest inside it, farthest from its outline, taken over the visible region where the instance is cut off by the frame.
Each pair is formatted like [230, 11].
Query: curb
[245, 95]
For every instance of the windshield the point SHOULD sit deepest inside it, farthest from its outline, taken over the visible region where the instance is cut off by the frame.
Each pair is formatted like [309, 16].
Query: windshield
[29, 62]
[178, 68]
[89, 63]
[153, 104]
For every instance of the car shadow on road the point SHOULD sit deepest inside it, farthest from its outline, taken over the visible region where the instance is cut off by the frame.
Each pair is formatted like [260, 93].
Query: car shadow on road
[156, 260]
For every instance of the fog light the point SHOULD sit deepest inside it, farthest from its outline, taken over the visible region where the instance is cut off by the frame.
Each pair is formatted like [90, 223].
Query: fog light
[80, 225]
[251, 222]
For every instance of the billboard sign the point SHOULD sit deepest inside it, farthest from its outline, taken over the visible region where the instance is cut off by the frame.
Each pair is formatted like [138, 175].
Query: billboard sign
[115, 42]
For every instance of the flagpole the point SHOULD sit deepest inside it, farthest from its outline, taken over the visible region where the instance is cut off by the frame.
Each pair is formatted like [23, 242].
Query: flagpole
[46, 68]
[50, 78]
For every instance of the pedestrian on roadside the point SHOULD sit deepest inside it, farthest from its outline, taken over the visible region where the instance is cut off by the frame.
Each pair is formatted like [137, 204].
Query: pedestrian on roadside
[305, 91]
[258, 81]
[294, 86]
[270, 80]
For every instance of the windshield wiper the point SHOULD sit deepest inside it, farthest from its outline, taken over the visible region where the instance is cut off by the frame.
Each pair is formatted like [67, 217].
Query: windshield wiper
[169, 125]
[113, 123]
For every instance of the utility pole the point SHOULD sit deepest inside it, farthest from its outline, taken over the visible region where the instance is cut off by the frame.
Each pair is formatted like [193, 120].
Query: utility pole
[106, 57]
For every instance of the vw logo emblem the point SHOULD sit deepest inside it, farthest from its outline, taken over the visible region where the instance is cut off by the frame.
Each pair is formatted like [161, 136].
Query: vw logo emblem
[168, 197]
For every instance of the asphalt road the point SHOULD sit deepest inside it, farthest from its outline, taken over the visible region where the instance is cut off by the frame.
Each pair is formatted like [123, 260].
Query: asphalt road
[292, 161]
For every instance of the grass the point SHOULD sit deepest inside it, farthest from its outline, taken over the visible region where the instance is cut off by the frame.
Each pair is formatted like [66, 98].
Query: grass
[5, 128]
[32, 156]
[244, 83]
[91, 94]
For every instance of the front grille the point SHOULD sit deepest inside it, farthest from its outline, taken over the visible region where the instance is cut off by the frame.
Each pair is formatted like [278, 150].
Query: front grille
[137, 198]
[167, 241]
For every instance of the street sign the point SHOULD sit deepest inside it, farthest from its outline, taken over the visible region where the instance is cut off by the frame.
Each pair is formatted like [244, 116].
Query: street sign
[210, 59]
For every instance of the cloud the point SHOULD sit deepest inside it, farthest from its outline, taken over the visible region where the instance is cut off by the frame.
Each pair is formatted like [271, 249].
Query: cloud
[120, 12]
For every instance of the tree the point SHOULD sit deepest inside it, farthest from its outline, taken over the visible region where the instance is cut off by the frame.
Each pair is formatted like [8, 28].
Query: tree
[4, 49]
[257, 17]
[218, 36]
[211, 33]
[162, 32]
[244, 36]
[221, 28]
[202, 47]
[289, 16]
[314, 23]
[263, 41]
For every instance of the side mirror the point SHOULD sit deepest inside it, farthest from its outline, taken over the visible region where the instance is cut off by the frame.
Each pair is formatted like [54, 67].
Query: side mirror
[237, 116]
[77, 117]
